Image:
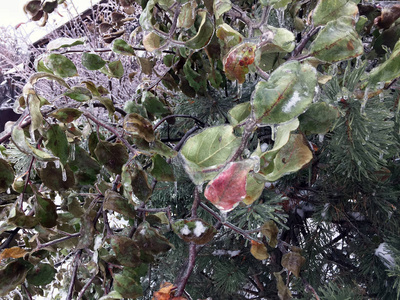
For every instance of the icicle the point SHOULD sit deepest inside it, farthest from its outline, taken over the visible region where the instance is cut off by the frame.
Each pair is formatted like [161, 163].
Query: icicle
[223, 215]
[175, 193]
[64, 175]
[321, 138]
[364, 102]
[359, 163]
[280, 14]
[72, 152]
[358, 62]
[57, 164]
[8, 191]
[333, 70]
[274, 129]
[43, 164]
[381, 155]
[367, 137]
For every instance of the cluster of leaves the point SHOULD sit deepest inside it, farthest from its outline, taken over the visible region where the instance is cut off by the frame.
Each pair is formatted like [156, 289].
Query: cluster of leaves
[67, 172]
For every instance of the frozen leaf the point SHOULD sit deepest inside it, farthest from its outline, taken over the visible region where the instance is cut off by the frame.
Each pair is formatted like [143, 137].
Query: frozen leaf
[32, 7]
[204, 33]
[254, 189]
[258, 250]
[228, 35]
[57, 179]
[127, 286]
[270, 230]
[195, 79]
[126, 251]
[45, 211]
[87, 232]
[389, 70]
[337, 41]
[194, 230]
[151, 42]
[276, 3]
[293, 261]
[187, 15]
[115, 202]
[239, 113]
[19, 219]
[85, 168]
[293, 156]
[122, 47]
[113, 69]
[57, 143]
[117, 17]
[91, 87]
[150, 240]
[41, 274]
[229, 187]
[318, 119]
[13, 252]
[208, 149]
[220, 7]
[237, 60]
[6, 175]
[153, 104]
[34, 109]
[330, 10]
[79, 93]
[161, 170]
[108, 104]
[66, 115]
[147, 65]
[136, 125]
[92, 61]
[288, 93]
[64, 42]
[283, 291]
[49, 6]
[156, 147]
[140, 185]
[12, 275]
[112, 155]
[60, 65]
[41, 75]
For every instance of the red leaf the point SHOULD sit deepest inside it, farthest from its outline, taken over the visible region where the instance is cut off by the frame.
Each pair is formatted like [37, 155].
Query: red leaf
[237, 61]
[229, 188]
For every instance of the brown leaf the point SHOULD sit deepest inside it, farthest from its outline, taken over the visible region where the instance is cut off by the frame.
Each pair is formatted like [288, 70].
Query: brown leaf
[293, 262]
[270, 230]
[14, 252]
[258, 250]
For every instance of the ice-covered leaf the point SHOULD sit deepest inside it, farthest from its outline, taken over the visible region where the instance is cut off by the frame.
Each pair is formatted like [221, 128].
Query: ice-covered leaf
[19, 219]
[112, 155]
[151, 42]
[228, 35]
[330, 10]
[293, 261]
[42, 75]
[153, 104]
[87, 232]
[57, 143]
[389, 70]
[113, 69]
[45, 211]
[209, 149]
[6, 175]
[64, 42]
[49, 6]
[92, 61]
[275, 3]
[258, 250]
[254, 189]
[270, 230]
[337, 41]
[140, 185]
[237, 60]
[60, 65]
[156, 147]
[229, 188]
[194, 230]
[41, 274]
[136, 125]
[66, 115]
[122, 47]
[161, 170]
[204, 33]
[220, 7]
[318, 119]
[115, 202]
[126, 251]
[150, 240]
[127, 284]
[288, 93]
[195, 79]
[79, 93]
[187, 15]
[239, 113]
[12, 275]
[55, 178]
[84, 166]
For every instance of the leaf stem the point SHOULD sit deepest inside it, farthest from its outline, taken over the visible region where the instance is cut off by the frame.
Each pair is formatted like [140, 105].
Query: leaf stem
[51, 243]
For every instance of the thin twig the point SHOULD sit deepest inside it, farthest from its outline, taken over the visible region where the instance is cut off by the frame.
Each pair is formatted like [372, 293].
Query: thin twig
[304, 41]
[200, 122]
[86, 286]
[10, 238]
[51, 243]
[196, 202]
[189, 268]
[74, 273]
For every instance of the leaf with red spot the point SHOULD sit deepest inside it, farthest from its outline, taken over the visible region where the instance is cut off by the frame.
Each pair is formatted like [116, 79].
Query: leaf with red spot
[229, 188]
[237, 61]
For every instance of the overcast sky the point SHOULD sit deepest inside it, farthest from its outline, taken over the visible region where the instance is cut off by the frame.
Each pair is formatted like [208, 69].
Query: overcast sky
[11, 14]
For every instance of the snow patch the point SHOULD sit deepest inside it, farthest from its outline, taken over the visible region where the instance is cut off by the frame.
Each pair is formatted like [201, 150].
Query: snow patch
[292, 102]
[231, 253]
[185, 230]
[199, 229]
[385, 255]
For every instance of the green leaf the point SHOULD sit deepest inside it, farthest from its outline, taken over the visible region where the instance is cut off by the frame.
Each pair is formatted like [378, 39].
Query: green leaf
[162, 171]
[37, 76]
[60, 65]
[228, 35]
[113, 69]
[140, 185]
[229, 188]
[151, 42]
[239, 113]
[79, 93]
[389, 70]
[45, 211]
[204, 33]
[156, 147]
[275, 3]
[254, 189]
[112, 155]
[122, 47]
[288, 93]
[337, 41]
[318, 119]
[115, 202]
[150, 240]
[187, 15]
[153, 104]
[126, 251]
[127, 286]
[196, 81]
[49, 6]
[55, 178]
[64, 42]
[92, 61]
[220, 7]
[84, 166]
[138, 126]
[6, 175]
[12, 275]
[66, 115]
[237, 60]
[207, 150]
[330, 10]
[108, 103]
[194, 230]
[41, 274]
[57, 143]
